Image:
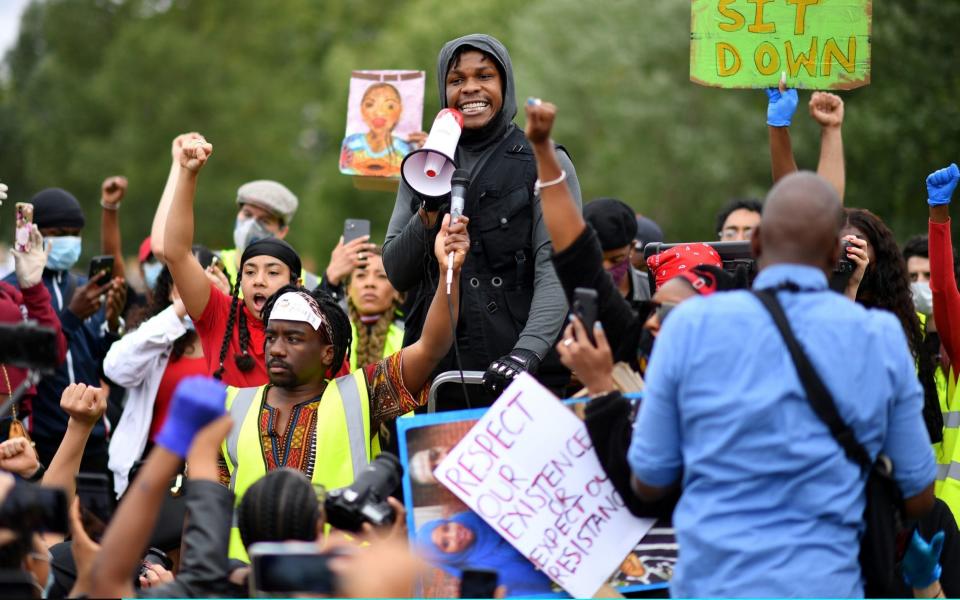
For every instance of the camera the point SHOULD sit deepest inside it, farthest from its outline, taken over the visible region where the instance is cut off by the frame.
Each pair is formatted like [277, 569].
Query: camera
[29, 346]
[29, 507]
[845, 265]
[365, 501]
[154, 556]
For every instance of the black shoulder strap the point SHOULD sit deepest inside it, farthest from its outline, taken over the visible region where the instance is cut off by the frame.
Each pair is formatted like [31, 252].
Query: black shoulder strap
[817, 393]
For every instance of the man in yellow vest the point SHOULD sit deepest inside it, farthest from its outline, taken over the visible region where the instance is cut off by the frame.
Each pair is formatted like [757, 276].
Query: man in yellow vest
[321, 427]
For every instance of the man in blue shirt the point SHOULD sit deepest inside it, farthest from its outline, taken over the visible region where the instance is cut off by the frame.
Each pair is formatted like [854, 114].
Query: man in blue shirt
[771, 506]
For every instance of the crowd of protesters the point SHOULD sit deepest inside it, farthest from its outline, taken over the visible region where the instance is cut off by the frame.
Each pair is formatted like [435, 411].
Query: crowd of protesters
[219, 392]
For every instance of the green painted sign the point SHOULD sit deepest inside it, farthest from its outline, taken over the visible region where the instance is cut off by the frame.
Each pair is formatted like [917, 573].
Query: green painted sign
[819, 44]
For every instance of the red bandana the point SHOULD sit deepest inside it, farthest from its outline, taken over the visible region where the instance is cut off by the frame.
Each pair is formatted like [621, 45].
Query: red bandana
[674, 261]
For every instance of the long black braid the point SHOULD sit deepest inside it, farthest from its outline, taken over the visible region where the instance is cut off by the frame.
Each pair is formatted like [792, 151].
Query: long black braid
[243, 360]
[333, 314]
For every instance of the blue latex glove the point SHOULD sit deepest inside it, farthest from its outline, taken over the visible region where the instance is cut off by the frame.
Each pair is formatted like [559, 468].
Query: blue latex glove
[921, 563]
[196, 402]
[781, 106]
[940, 185]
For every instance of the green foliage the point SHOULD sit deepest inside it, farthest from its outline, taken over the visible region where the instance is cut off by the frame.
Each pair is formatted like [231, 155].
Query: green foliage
[101, 87]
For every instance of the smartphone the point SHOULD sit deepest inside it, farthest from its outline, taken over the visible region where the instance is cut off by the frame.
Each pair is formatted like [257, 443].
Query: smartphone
[96, 495]
[290, 567]
[24, 225]
[585, 307]
[478, 583]
[355, 228]
[101, 263]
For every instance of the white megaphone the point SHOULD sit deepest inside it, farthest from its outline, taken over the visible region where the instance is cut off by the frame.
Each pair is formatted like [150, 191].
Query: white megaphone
[428, 171]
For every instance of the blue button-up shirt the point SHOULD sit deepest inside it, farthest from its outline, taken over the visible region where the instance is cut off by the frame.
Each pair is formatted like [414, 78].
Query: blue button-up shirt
[771, 506]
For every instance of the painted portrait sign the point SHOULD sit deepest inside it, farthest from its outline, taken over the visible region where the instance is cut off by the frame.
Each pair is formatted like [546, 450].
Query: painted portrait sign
[383, 109]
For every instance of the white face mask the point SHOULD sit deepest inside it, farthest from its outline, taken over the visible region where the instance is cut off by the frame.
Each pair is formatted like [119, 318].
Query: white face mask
[248, 231]
[922, 297]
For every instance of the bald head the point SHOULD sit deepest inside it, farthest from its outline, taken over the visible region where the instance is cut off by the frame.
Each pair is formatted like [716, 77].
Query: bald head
[801, 221]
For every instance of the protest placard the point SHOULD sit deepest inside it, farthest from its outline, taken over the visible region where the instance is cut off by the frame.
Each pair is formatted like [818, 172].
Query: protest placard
[529, 470]
[818, 44]
[383, 108]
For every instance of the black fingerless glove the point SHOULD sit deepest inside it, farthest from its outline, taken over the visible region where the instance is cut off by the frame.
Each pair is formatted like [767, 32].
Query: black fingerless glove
[502, 371]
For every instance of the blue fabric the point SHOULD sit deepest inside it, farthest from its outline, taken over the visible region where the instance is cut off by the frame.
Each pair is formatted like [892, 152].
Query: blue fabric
[488, 551]
[86, 348]
[771, 506]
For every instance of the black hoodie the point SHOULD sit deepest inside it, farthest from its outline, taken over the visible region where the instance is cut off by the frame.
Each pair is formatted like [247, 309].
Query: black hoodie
[408, 241]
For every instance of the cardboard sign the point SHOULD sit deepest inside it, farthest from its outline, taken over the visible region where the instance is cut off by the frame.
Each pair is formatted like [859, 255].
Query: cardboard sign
[819, 44]
[529, 470]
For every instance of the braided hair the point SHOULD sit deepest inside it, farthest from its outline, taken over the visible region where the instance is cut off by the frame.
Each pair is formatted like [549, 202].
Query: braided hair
[243, 360]
[280, 506]
[371, 340]
[333, 315]
[886, 285]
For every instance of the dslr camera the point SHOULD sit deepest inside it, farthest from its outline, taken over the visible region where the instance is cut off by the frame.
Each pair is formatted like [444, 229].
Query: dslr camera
[365, 501]
[29, 507]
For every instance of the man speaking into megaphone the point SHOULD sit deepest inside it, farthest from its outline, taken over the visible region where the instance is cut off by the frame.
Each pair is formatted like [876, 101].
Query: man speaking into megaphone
[512, 304]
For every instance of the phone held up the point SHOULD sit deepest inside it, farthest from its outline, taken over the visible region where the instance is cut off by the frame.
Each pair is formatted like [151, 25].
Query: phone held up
[24, 225]
[290, 567]
[478, 583]
[585, 307]
[104, 264]
[355, 228]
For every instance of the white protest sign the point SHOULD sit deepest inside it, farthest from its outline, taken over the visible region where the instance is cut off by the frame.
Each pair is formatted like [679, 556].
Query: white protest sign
[529, 470]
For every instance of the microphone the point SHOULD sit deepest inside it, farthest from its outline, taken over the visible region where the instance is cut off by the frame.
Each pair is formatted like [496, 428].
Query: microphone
[458, 191]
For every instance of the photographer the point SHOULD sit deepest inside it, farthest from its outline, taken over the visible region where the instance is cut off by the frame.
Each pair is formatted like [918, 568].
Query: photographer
[324, 427]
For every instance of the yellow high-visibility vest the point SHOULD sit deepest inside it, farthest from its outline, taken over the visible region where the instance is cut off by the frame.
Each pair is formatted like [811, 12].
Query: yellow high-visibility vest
[344, 444]
[391, 345]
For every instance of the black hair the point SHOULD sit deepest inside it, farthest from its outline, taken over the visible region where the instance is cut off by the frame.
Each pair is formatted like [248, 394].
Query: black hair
[751, 204]
[918, 245]
[280, 506]
[14, 552]
[886, 285]
[332, 313]
[455, 61]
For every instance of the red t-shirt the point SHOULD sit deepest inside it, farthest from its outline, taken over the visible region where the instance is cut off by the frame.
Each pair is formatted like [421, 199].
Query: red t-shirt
[175, 371]
[212, 326]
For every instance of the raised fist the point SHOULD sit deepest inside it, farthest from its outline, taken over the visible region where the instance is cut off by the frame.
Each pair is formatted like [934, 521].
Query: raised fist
[195, 153]
[113, 190]
[84, 403]
[781, 104]
[940, 185]
[540, 117]
[826, 109]
[176, 148]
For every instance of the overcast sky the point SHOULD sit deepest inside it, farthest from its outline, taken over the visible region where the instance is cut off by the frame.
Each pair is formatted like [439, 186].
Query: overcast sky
[10, 11]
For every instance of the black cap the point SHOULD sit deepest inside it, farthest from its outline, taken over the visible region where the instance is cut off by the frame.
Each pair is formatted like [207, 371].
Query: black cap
[614, 222]
[55, 207]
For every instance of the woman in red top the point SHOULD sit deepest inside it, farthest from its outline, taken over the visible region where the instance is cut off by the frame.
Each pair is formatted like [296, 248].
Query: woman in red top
[229, 327]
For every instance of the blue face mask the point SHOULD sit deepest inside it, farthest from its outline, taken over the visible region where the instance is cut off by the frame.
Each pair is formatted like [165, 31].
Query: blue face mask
[151, 273]
[64, 252]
